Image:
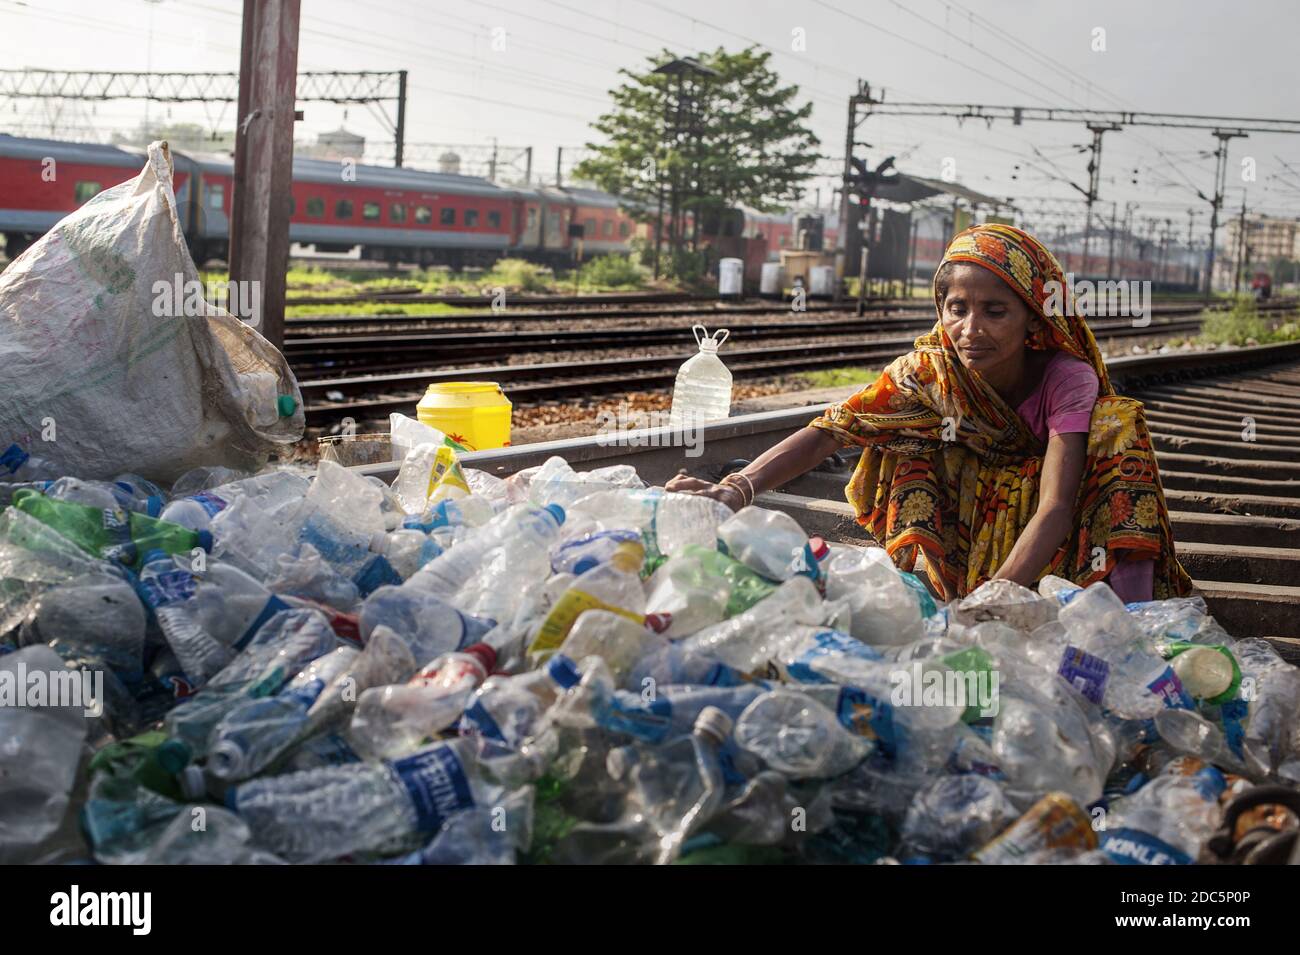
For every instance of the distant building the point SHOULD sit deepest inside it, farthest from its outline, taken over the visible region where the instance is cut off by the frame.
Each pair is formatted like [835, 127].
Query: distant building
[340, 144]
[1267, 238]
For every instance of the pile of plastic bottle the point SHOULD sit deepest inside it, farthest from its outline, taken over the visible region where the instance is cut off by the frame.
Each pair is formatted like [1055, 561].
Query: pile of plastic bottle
[572, 667]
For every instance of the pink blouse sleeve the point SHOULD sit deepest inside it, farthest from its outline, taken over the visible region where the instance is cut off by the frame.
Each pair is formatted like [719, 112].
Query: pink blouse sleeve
[1072, 389]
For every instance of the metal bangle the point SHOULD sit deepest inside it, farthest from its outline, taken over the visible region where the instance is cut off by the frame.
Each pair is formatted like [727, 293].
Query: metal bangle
[752, 493]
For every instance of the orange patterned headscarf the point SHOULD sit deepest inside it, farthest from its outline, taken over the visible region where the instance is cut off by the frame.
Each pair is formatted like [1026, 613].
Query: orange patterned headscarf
[1033, 273]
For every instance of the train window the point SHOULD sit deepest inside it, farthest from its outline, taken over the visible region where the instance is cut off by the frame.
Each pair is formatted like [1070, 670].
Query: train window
[623, 230]
[215, 194]
[607, 227]
[447, 216]
[589, 228]
[343, 209]
[494, 220]
[84, 190]
[532, 218]
[471, 218]
[397, 212]
[316, 207]
[423, 215]
[370, 210]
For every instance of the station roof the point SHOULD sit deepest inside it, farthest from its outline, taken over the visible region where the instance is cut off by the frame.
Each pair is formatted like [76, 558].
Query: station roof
[909, 188]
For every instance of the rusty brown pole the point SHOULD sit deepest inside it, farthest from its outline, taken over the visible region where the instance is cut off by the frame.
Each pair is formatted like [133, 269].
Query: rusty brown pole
[259, 208]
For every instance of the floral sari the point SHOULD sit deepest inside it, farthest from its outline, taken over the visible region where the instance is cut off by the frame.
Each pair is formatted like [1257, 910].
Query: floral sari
[949, 469]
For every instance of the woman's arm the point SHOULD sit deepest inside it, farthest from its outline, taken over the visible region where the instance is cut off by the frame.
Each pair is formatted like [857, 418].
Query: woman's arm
[778, 465]
[1052, 523]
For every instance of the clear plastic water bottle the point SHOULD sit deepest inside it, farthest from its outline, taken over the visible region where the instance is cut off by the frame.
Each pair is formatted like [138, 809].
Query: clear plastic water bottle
[253, 734]
[428, 624]
[206, 617]
[702, 391]
[454, 568]
[270, 491]
[798, 736]
[283, 645]
[668, 522]
[773, 544]
[1166, 821]
[614, 585]
[106, 494]
[749, 641]
[328, 813]
[39, 759]
[392, 720]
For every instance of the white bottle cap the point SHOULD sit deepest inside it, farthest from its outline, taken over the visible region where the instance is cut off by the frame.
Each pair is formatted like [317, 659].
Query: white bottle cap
[714, 723]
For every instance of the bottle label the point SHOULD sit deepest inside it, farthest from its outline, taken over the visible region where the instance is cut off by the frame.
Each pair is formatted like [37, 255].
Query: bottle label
[1134, 847]
[560, 620]
[273, 606]
[477, 721]
[375, 574]
[117, 524]
[169, 587]
[827, 643]
[1084, 672]
[864, 715]
[646, 721]
[1169, 688]
[1233, 714]
[437, 785]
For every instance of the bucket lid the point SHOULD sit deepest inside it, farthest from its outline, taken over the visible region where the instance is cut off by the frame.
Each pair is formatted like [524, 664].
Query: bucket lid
[462, 387]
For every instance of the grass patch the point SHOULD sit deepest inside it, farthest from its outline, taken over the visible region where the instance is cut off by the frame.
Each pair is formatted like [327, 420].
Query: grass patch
[382, 308]
[1245, 325]
[838, 377]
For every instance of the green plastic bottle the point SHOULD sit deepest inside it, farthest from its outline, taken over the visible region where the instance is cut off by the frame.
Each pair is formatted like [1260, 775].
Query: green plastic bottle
[152, 759]
[110, 533]
[747, 587]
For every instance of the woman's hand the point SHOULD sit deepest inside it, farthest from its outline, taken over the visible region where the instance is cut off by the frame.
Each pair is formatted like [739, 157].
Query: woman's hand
[726, 493]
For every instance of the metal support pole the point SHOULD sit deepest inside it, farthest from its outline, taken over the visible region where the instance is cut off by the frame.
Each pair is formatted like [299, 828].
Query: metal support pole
[559, 154]
[1220, 173]
[528, 165]
[1241, 245]
[1110, 246]
[846, 187]
[259, 233]
[399, 135]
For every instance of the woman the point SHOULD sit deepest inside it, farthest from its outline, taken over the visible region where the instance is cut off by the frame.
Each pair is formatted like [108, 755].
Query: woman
[997, 448]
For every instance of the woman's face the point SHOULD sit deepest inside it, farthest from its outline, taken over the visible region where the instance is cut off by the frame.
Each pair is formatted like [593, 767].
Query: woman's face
[986, 321]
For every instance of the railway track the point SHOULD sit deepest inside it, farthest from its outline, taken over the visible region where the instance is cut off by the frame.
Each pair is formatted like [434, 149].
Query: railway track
[326, 326]
[364, 354]
[360, 396]
[1226, 427]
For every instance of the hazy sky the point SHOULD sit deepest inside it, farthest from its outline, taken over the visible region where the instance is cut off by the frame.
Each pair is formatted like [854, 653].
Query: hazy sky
[561, 56]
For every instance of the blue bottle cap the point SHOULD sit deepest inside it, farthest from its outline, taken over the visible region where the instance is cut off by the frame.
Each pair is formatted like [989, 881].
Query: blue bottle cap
[585, 564]
[205, 540]
[153, 505]
[1211, 782]
[1137, 782]
[557, 512]
[563, 671]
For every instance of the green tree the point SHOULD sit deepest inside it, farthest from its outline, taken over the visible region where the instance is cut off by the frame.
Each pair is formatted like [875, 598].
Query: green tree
[706, 143]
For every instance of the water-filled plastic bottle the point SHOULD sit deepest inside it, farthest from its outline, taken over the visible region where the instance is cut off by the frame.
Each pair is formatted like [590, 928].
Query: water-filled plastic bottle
[702, 391]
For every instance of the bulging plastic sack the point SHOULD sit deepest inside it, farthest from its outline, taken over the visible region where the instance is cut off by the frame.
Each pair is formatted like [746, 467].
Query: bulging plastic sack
[102, 335]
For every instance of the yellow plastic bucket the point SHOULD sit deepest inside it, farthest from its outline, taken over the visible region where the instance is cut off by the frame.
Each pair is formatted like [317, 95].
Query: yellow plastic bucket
[474, 414]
